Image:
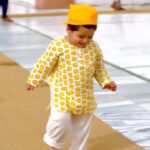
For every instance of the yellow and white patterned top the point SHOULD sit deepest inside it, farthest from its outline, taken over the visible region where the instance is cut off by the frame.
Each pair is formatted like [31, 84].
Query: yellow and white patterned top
[71, 71]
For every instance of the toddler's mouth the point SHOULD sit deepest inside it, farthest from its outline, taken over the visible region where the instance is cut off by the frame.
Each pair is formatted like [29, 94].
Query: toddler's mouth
[82, 45]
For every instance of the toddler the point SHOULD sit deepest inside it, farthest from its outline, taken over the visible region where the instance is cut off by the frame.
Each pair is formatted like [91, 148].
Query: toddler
[71, 62]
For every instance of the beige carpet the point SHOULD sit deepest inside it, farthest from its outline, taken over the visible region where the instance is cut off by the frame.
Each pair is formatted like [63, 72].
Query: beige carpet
[23, 116]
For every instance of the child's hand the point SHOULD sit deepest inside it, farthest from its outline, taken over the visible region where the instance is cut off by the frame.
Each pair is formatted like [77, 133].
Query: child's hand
[30, 87]
[111, 86]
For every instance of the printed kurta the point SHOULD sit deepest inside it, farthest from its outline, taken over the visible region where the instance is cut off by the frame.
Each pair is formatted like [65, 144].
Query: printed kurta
[70, 72]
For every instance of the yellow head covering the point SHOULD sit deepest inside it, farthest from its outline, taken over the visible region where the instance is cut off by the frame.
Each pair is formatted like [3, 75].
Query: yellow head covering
[80, 14]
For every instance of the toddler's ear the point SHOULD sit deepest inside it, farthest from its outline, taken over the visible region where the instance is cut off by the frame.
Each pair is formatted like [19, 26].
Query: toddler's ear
[68, 28]
[69, 31]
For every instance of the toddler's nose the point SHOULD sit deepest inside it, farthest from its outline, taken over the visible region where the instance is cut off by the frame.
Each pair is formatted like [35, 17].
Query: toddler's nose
[85, 41]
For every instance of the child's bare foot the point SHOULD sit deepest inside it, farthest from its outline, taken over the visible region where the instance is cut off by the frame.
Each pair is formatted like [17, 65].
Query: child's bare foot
[116, 6]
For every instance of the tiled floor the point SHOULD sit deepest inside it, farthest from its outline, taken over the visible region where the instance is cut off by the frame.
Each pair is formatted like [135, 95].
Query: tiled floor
[124, 39]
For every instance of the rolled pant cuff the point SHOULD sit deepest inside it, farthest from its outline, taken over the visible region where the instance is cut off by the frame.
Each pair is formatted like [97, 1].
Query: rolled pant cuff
[51, 143]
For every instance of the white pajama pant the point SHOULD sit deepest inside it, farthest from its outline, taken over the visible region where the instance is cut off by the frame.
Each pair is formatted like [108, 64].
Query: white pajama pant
[60, 123]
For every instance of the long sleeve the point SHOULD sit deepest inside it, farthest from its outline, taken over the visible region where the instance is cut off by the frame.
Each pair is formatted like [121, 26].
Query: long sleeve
[44, 66]
[101, 74]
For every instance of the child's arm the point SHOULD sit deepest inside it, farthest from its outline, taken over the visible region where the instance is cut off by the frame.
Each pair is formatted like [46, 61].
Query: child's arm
[101, 74]
[43, 67]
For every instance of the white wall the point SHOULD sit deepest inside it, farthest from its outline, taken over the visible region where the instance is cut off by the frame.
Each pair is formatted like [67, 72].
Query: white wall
[100, 2]
[107, 2]
[94, 1]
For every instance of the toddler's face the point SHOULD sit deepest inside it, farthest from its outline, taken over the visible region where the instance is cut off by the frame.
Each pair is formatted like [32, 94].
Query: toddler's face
[80, 38]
